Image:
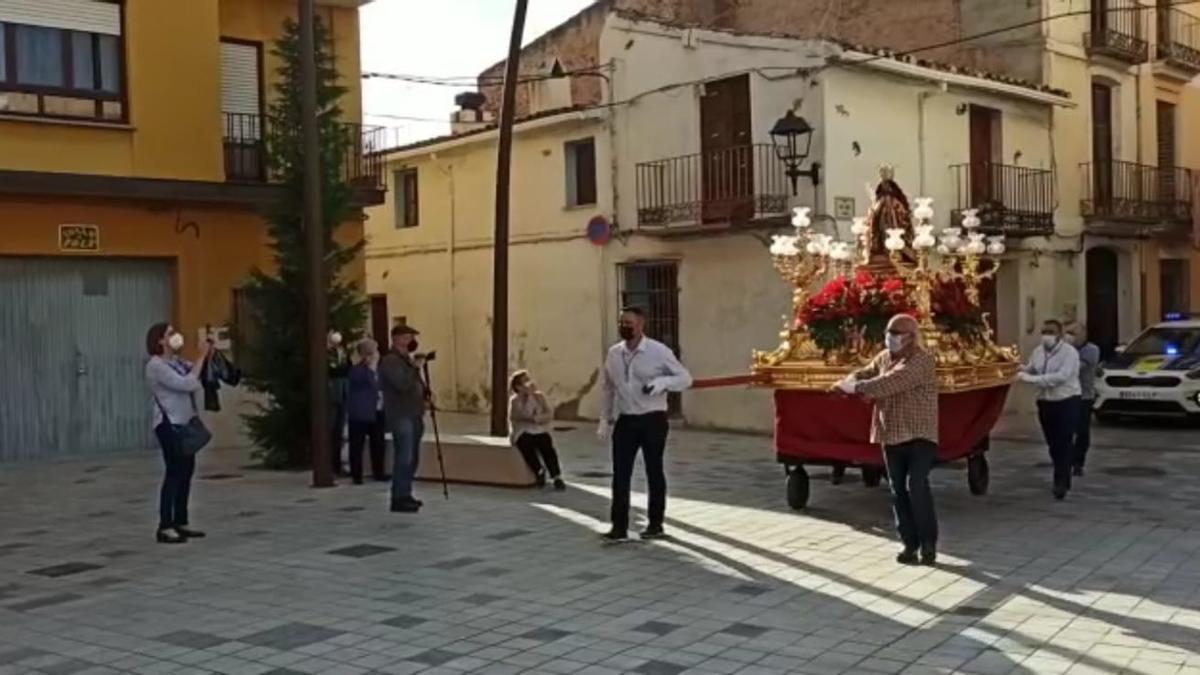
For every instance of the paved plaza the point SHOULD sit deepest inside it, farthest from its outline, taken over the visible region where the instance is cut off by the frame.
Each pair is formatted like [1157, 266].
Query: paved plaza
[295, 580]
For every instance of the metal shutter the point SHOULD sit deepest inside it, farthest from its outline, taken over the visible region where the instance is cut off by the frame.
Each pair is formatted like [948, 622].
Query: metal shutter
[240, 95]
[90, 16]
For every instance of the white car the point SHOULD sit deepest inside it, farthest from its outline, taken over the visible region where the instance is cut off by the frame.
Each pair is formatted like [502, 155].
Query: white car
[1155, 375]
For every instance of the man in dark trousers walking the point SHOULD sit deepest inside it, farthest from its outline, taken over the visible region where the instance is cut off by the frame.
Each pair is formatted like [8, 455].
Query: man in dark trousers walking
[1053, 369]
[638, 373]
[901, 382]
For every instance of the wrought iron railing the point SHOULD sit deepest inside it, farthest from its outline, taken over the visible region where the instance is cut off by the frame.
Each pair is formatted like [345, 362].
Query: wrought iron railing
[1179, 38]
[246, 151]
[1116, 31]
[1017, 201]
[728, 186]
[1127, 191]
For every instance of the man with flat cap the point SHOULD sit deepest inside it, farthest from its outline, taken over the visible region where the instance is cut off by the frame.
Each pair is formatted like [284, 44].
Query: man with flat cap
[404, 412]
[901, 383]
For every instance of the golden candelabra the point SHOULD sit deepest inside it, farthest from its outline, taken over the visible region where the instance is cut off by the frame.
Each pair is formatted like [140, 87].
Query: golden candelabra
[967, 358]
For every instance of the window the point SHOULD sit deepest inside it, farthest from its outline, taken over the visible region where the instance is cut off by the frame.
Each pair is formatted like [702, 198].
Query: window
[58, 72]
[581, 172]
[407, 203]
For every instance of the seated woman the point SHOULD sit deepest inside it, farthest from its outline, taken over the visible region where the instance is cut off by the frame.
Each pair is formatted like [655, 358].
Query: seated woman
[528, 415]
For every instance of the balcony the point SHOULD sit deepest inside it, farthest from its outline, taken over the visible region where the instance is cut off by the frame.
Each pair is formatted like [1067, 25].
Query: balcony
[1129, 193]
[246, 155]
[1116, 32]
[1015, 201]
[717, 189]
[1179, 40]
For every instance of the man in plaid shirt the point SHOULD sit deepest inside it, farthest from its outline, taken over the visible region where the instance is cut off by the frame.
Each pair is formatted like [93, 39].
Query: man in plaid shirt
[901, 382]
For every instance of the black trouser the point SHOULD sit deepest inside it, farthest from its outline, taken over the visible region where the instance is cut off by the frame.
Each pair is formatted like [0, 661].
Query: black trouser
[360, 433]
[177, 480]
[1058, 426]
[337, 423]
[1083, 431]
[908, 467]
[538, 451]
[649, 434]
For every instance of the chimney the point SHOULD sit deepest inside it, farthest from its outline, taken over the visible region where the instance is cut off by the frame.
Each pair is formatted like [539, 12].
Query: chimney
[470, 115]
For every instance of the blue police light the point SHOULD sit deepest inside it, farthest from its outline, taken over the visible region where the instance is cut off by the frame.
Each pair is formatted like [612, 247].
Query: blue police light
[1173, 316]
[1172, 350]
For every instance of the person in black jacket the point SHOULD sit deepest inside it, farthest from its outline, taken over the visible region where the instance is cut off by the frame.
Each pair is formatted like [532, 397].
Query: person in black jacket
[339, 368]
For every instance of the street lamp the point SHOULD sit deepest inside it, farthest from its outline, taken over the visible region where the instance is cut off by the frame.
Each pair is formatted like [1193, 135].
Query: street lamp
[792, 137]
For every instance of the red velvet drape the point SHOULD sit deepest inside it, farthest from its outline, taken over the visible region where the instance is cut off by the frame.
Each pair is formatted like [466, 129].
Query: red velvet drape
[822, 427]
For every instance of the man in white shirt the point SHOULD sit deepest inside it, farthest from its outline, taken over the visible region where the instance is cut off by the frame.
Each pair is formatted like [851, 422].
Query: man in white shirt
[1054, 370]
[637, 375]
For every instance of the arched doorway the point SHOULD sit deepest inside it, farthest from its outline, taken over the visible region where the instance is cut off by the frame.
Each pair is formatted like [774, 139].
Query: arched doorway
[1103, 322]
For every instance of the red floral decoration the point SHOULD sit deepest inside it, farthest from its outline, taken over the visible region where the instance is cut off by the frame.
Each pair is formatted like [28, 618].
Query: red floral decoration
[850, 309]
[953, 311]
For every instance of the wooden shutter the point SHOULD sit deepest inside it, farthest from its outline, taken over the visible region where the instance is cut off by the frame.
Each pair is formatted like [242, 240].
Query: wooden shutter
[89, 16]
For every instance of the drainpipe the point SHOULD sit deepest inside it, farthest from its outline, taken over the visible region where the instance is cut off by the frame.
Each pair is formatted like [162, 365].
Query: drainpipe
[448, 171]
[614, 168]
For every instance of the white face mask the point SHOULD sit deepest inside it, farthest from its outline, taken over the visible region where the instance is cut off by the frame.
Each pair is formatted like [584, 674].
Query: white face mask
[1049, 341]
[335, 338]
[175, 342]
[895, 343]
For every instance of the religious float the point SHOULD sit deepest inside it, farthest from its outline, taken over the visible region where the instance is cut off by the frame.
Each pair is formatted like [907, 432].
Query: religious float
[844, 294]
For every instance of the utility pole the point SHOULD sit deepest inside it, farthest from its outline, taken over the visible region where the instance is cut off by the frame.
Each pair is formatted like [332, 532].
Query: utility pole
[314, 231]
[500, 251]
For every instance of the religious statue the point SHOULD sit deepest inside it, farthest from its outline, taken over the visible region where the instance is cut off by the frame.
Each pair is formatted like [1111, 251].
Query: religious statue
[889, 209]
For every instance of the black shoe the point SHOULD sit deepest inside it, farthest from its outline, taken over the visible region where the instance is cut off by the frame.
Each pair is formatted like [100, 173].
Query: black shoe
[559, 484]
[1077, 471]
[653, 532]
[189, 533]
[1060, 492]
[615, 537]
[540, 479]
[170, 536]
[907, 557]
[928, 557]
[405, 506]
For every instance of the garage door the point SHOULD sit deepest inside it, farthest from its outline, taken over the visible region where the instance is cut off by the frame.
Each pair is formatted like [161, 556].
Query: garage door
[72, 340]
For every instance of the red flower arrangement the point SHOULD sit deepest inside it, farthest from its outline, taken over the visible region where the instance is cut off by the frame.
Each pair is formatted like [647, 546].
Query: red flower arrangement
[953, 312]
[848, 308]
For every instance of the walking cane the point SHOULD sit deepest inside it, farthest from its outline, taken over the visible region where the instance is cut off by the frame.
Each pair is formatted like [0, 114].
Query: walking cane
[437, 438]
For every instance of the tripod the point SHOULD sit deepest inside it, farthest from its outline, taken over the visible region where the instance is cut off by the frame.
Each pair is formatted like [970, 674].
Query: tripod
[437, 438]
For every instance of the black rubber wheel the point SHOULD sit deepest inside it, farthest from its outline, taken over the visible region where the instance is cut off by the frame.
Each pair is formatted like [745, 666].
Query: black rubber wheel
[797, 488]
[978, 474]
[872, 476]
[838, 474]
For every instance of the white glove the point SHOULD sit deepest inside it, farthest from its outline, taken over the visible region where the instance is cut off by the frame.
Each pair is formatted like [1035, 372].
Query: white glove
[658, 387]
[848, 385]
[1025, 377]
[604, 431]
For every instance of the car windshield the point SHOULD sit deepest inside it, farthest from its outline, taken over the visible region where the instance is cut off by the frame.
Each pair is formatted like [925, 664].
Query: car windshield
[1165, 340]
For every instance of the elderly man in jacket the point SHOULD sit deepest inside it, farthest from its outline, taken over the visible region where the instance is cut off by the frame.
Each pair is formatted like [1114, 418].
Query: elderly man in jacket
[901, 382]
[1053, 369]
[404, 413]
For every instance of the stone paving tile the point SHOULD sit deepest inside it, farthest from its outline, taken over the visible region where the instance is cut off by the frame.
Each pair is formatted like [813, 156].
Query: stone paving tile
[513, 581]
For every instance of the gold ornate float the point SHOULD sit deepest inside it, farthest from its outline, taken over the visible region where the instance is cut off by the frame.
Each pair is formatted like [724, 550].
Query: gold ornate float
[893, 263]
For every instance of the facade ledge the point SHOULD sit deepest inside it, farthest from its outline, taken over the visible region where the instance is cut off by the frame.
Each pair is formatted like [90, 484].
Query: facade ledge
[1175, 70]
[67, 122]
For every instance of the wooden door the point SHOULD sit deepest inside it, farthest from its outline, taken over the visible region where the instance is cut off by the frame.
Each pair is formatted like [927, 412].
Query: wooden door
[984, 146]
[1165, 118]
[380, 326]
[726, 154]
[1103, 305]
[1102, 146]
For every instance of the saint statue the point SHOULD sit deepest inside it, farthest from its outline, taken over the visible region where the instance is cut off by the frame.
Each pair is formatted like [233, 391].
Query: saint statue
[889, 209]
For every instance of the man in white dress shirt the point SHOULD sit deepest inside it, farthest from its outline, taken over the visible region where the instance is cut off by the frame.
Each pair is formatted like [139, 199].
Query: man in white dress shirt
[637, 375]
[1053, 369]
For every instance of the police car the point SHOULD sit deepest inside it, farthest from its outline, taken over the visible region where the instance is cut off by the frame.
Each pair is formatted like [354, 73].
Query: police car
[1155, 375]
